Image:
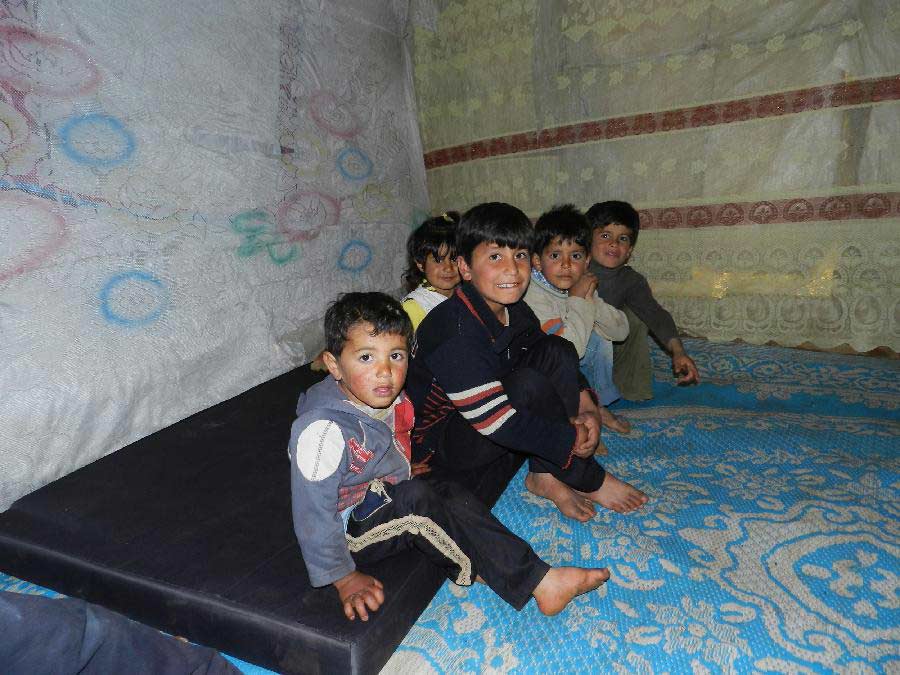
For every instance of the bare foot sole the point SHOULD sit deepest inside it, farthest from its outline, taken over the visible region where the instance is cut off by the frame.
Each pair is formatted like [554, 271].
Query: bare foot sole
[570, 503]
[611, 421]
[561, 584]
[617, 495]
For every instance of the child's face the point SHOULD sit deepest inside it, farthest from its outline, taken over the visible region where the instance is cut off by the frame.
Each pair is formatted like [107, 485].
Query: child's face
[562, 263]
[499, 273]
[441, 272]
[370, 369]
[611, 245]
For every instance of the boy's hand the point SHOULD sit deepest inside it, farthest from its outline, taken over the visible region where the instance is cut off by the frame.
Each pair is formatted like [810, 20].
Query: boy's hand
[685, 369]
[682, 365]
[587, 434]
[418, 468]
[585, 286]
[591, 421]
[359, 591]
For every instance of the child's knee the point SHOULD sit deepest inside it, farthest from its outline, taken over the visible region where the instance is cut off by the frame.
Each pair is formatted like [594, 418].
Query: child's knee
[418, 495]
[556, 348]
[526, 387]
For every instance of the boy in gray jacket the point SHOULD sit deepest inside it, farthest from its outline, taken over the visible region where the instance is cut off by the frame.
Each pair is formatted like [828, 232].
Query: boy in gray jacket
[354, 495]
[563, 296]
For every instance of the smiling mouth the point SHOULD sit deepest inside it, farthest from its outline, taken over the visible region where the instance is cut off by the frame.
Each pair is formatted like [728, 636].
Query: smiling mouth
[510, 285]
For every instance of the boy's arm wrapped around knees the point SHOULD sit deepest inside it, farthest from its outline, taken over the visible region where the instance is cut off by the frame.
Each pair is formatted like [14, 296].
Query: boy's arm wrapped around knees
[468, 372]
[317, 457]
[609, 322]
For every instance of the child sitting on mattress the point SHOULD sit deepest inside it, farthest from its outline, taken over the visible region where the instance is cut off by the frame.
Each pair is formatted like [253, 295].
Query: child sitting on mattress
[355, 500]
[432, 273]
[562, 294]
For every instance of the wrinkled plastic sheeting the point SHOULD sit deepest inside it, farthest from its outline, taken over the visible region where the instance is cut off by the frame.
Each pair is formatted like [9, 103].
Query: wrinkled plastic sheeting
[185, 187]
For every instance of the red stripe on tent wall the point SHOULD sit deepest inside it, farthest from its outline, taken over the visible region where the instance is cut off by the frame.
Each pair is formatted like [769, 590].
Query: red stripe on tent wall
[840, 95]
[796, 210]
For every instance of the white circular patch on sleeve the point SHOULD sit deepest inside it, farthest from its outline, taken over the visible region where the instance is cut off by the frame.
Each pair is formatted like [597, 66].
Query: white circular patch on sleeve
[320, 449]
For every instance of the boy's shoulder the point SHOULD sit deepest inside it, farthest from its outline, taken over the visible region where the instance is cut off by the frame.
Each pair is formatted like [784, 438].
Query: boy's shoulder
[446, 321]
[325, 402]
[320, 397]
[633, 281]
[625, 277]
[537, 292]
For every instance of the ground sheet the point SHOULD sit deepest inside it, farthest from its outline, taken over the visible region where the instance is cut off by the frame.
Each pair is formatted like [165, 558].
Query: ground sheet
[771, 542]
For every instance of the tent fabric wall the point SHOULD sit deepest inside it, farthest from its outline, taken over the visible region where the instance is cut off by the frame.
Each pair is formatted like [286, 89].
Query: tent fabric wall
[184, 187]
[760, 141]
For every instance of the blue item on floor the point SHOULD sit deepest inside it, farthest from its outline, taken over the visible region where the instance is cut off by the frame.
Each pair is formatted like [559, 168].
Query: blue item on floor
[771, 542]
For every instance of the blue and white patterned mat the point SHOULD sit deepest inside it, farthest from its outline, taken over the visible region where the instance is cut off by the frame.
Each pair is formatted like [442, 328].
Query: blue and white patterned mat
[771, 542]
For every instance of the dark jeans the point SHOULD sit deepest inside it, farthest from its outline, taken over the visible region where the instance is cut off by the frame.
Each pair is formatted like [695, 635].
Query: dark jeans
[456, 531]
[43, 635]
[546, 383]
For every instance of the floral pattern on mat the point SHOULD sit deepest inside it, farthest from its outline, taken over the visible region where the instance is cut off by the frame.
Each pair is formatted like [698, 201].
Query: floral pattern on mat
[771, 542]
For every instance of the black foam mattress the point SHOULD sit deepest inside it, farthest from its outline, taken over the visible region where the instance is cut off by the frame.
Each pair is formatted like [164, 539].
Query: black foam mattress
[189, 530]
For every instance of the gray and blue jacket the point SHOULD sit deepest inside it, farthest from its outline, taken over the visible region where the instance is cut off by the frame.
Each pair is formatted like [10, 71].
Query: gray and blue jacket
[336, 451]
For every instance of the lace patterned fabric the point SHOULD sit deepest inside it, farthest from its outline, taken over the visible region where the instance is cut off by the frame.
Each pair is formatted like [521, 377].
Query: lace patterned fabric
[743, 128]
[770, 542]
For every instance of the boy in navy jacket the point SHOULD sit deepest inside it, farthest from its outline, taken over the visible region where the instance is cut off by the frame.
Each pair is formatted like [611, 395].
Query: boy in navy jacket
[485, 380]
[353, 494]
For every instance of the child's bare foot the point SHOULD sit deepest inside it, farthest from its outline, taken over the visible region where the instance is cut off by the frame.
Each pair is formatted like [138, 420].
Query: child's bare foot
[617, 495]
[570, 503]
[611, 421]
[561, 584]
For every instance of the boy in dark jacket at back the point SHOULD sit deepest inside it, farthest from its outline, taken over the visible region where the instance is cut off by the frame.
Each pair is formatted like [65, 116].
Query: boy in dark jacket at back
[353, 494]
[486, 381]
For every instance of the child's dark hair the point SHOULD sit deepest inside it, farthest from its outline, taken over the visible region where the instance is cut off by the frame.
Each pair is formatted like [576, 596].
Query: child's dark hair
[493, 223]
[379, 309]
[622, 213]
[565, 222]
[430, 237]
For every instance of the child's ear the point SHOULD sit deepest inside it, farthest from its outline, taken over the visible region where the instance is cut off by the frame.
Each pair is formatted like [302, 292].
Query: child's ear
[421, 266]
[464, 270]
[333, 366]
[536, 261]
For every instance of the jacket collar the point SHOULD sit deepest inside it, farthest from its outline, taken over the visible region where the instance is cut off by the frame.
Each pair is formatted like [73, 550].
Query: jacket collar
[501, 336]
[537, 277]
[604, 273]
[332, 396]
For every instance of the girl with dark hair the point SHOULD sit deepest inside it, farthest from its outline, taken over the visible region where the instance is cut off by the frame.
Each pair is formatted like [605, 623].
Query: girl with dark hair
[432, 274]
